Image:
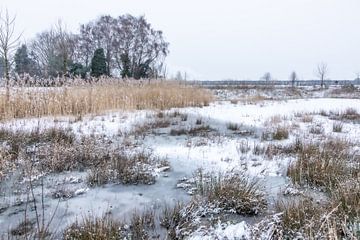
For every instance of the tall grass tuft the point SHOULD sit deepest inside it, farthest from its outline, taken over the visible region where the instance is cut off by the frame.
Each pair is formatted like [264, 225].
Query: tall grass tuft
[234, 192]
[322, 165]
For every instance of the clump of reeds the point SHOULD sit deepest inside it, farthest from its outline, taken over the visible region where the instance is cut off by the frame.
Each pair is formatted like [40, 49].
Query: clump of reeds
[98, 97]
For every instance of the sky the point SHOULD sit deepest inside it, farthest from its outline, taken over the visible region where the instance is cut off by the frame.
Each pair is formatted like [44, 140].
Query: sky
[227, 39]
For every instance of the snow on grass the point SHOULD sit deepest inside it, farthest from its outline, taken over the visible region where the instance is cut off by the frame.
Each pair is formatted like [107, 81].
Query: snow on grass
[230, 232]
[256, 114]
[216, 152]
[216, 114]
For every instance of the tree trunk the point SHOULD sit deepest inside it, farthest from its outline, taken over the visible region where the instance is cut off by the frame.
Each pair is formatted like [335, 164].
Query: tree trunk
[7, 74]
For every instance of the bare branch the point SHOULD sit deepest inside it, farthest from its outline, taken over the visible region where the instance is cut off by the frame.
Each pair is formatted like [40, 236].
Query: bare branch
[322, 72]
[8, 40]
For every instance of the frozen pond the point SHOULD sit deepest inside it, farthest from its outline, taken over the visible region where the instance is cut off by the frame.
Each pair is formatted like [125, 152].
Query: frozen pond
[216, 151]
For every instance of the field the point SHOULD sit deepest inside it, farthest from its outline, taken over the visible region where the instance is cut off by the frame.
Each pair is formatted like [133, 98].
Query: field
[163, 160]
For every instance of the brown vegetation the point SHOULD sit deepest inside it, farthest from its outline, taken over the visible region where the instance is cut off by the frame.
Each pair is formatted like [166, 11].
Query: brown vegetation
[105, 95]
[321, 165]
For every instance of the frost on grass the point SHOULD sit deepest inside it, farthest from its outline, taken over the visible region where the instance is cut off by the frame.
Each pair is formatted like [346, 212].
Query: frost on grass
[57, 150]
[127, 168]
[323, 165]
[306, 218]
[140, 226]
[215, 197]
[332, 167]
[232, 191]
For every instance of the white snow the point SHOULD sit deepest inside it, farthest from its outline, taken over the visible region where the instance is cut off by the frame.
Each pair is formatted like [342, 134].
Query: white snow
[239, 231]
[218, 153]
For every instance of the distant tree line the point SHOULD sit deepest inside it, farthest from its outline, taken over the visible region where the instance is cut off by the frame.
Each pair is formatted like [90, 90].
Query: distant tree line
[125, 46]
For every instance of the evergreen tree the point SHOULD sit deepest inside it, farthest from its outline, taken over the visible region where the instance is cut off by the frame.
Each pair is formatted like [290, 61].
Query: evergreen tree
[2, 68]
[23, 63]
[22, 60]
[77, 69]
[98, 63]
[126, 66]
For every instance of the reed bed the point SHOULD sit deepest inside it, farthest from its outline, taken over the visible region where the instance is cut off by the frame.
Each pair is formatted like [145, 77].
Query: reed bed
[98, 97]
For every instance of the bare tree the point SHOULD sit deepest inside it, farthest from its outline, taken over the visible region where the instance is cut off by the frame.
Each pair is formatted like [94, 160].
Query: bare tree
[322, 72]
[293, 78]
[179, 76]
[65, 45]
[267, 77]
[85, 45]
[44, 50]
[357, 76]
[8, 41]
[54, 50]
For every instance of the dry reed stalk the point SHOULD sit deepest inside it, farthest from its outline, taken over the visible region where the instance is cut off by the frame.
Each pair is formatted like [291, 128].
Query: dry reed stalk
[98, 98]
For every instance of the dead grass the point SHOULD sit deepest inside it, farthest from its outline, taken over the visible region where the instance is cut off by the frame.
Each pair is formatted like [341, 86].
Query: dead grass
[233, 126]
[142, 129]
[331, 166]
[234, 192]
[322, 165]
[258, 149]
[317, 129]
[243, 147]
[57, 150]
[346, 198]
[349, 115]
[254, 99]
[96, 98]
[140, 226]
[307, 118]
[298, 216]
[46, 149]
[337, 126]
[201, 130]
[281, 133]
[234, 101]
[345, 89]
[94, 229]
[126, 168]
[306, 218]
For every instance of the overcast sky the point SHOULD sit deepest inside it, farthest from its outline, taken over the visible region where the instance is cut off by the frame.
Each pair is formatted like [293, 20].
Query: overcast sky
[227, 39]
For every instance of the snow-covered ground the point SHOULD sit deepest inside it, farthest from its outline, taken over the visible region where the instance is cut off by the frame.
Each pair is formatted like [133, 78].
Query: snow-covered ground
[219, 149]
